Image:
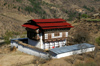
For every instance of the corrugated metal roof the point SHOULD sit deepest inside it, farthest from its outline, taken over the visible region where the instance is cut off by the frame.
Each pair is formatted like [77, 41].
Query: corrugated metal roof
[71, 48]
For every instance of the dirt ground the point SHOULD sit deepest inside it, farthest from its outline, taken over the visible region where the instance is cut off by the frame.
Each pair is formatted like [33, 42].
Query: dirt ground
[14, 58]
[17, 58]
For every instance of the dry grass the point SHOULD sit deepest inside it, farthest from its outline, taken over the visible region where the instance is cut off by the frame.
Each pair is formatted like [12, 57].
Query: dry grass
[17, 58]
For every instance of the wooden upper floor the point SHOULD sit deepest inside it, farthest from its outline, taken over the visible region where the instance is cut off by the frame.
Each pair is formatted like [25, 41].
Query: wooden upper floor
[51, 29]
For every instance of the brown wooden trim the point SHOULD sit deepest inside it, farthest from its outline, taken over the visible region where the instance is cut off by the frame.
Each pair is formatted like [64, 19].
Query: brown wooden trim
[57, 31]
[49, 36]
[64, 34]
[56, 34]
[53, 40]
[49, 45]
[58, 39]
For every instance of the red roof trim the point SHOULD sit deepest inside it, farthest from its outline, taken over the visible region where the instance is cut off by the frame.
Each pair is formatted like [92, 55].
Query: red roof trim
[30, 26]
[58, 27]
[48, 20]
[53, 24]
[48, 24]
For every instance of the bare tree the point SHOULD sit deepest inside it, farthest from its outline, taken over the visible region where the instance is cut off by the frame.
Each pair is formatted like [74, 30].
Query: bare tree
[83, 48]
[95, 51]
[74, 57]
[80, 36]
[42, 60]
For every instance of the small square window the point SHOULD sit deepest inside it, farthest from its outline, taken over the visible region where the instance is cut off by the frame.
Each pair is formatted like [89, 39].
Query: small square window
[56, 34]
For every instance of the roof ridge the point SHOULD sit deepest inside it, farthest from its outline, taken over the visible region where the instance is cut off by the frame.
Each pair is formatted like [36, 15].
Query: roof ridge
[47, 24]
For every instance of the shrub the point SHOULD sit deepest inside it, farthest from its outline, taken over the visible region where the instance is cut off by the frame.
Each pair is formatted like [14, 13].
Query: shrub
[43, 17]
[86, 7]
[72, 15]
[89, 9]
[14, 7]
[98, 27]
[19, 8]
[48, 4]
[94, 20]
[29, 9]
[92, 9]
[8, 35]
[98, 41]
[5, 4]
[66, 11]
[84, 15]
[19, 1]
[80, 36]
[96, 0]
[39, 60]
[36, 8]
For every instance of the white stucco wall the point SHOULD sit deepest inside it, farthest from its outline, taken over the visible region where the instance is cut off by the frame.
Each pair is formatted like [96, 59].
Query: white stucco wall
[74, 52]
[53, 35]
[32, 51]
[38, 44]
[28, 50]
[41, 54]
[53, 44]
[13, 44]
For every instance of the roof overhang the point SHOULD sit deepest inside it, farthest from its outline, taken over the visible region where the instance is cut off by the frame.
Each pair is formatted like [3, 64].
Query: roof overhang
[48, 20]
[30, 26]
[47, 24]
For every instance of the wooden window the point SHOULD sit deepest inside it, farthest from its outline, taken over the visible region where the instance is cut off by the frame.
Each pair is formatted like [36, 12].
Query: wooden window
[59, 36]
[57, 46]
[49, 36]
[56, 34]
[63, 35]
[31, 35]
[66, 34]
[46, 36]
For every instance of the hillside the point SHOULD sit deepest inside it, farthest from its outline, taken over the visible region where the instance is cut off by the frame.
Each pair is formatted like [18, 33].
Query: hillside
[13, 13]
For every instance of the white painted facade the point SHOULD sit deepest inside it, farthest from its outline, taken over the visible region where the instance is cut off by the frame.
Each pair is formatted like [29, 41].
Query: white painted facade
[66, 34]
[74, 52]
[41, 54]
[46, 36]
[48, 45]
[38, 44]
[53, 36]
[28, 50]
[56, 44]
